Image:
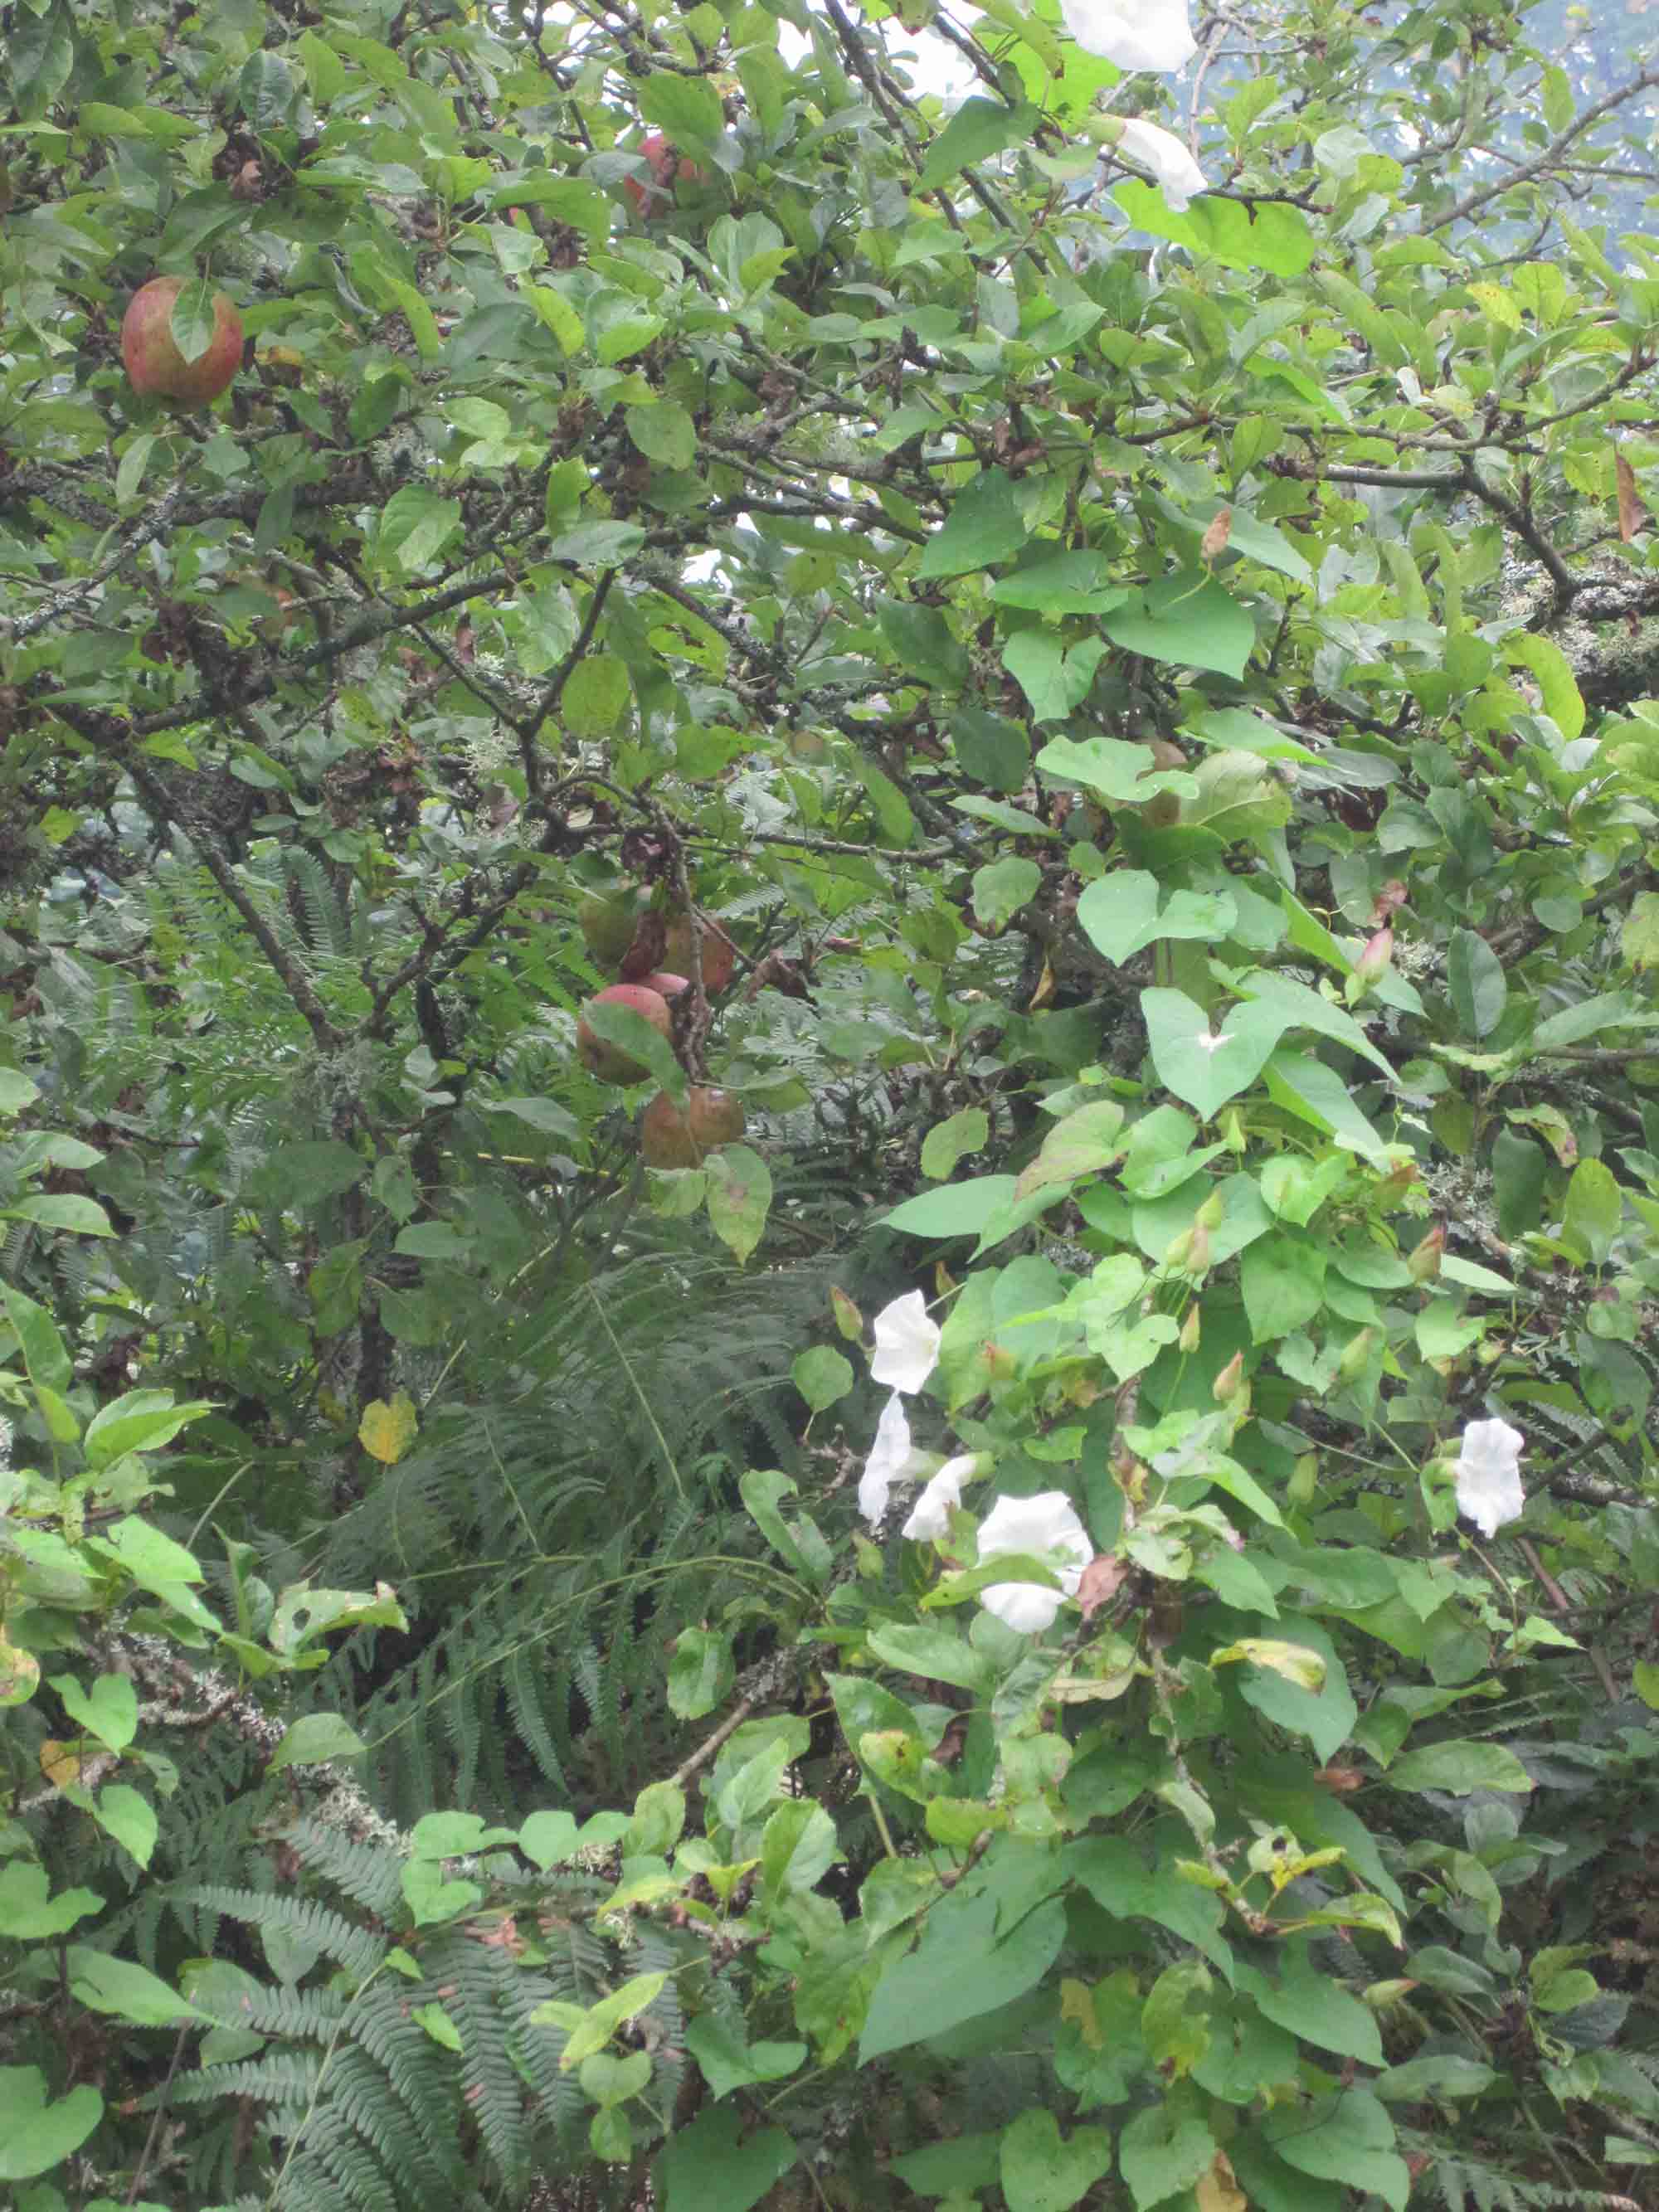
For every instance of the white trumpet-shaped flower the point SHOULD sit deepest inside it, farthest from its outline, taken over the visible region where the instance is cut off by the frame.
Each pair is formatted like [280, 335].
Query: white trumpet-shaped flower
[1488, 1475]
[1136, 34]
[892, 1459]
[1035, 1525]
[930, 1517]
[906, 1343]
[1178, 177]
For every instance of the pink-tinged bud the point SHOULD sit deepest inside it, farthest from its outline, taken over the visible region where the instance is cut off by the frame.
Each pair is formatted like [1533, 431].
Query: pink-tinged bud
[1377, 955]
[1227, 1384]
[848, 1320]
[1423, 1263]
[1191, 1329]
[1179, 1250]
[1198, 1256]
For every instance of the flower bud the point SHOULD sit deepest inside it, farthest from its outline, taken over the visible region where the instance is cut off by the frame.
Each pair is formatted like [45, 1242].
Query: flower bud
[1378, 955]
[1213, 1213]
[1423, 1261]
[1179, 1250]
[848, 1320]
[1191, 1329]
[1230, 1381]
[1198, 1255]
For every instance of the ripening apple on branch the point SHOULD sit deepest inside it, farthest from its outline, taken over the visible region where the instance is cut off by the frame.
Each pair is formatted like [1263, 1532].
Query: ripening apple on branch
[156, 365]
[669, 167]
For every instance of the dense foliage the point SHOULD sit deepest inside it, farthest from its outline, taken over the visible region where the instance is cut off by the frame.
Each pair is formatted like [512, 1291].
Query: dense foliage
[1060, 1608]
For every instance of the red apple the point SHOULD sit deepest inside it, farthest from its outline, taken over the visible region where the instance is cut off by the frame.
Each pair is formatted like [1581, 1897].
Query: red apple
[672, 1137]
[154, 363]
[668, 167]
[718, 958]
[609, 1062]
[665, 985]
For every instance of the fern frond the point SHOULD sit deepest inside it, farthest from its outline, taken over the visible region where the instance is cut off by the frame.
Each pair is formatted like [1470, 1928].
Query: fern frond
[355, 1948]
[369, 1875]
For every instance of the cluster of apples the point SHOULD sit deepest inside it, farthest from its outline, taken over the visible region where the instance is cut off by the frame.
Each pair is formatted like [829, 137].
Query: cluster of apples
[671, 1135]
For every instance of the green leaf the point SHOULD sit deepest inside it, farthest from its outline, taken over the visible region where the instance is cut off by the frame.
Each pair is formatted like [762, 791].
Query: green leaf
[1120, 773]
[728, 2063]
[34, 2136]
[1594, 1210]
[1563, 701]
[415, 525]
[27, 1912]
[923, 643]
[1002, 887]
[192, 322]
[596, 695]
[1263, 235]
[961, 1209]
[1475, 983]
[315, 1737]
[1066, 584]
[1459, 1768]
[44, 1356]
[739, 1197]
[124, 1989]
[686, 109]
[1187, 619]
[949, 1142]
[129, 1818]
[1314, 2007]
[108, 1711]
[700, 1672]
[985, 525]
[1163, 2151]
[548, 1840]
[822, 1375]
[1118, 913]
[960, 1970]
[139, 1420]
[722, 2163]
[1283, 1279]
[1203, 1067]
[1042, 2170]
[1054, 678]
[665, 434]
[978, 129]
[1346, 2136]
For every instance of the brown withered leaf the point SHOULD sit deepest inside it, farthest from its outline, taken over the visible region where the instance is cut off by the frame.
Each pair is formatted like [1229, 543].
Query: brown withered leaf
[1215, 538]
[1217, 2190]
[1341, 1780]
[1388, 901]
[1632, 509]
[1101, 1579]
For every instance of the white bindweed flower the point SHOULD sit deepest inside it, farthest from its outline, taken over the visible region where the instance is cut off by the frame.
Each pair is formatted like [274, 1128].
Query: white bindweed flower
[1136, 34]
[1035, 1525]
[891, 1458]
[930, 1517]
[1178, 177]
[906, 1343]
[1489, 1475]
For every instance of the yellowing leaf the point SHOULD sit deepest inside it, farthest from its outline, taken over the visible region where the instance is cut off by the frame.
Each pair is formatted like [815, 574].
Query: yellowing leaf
[59, 1763]
[1216, 2190]
[1293, 1660]
[387, 1432]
